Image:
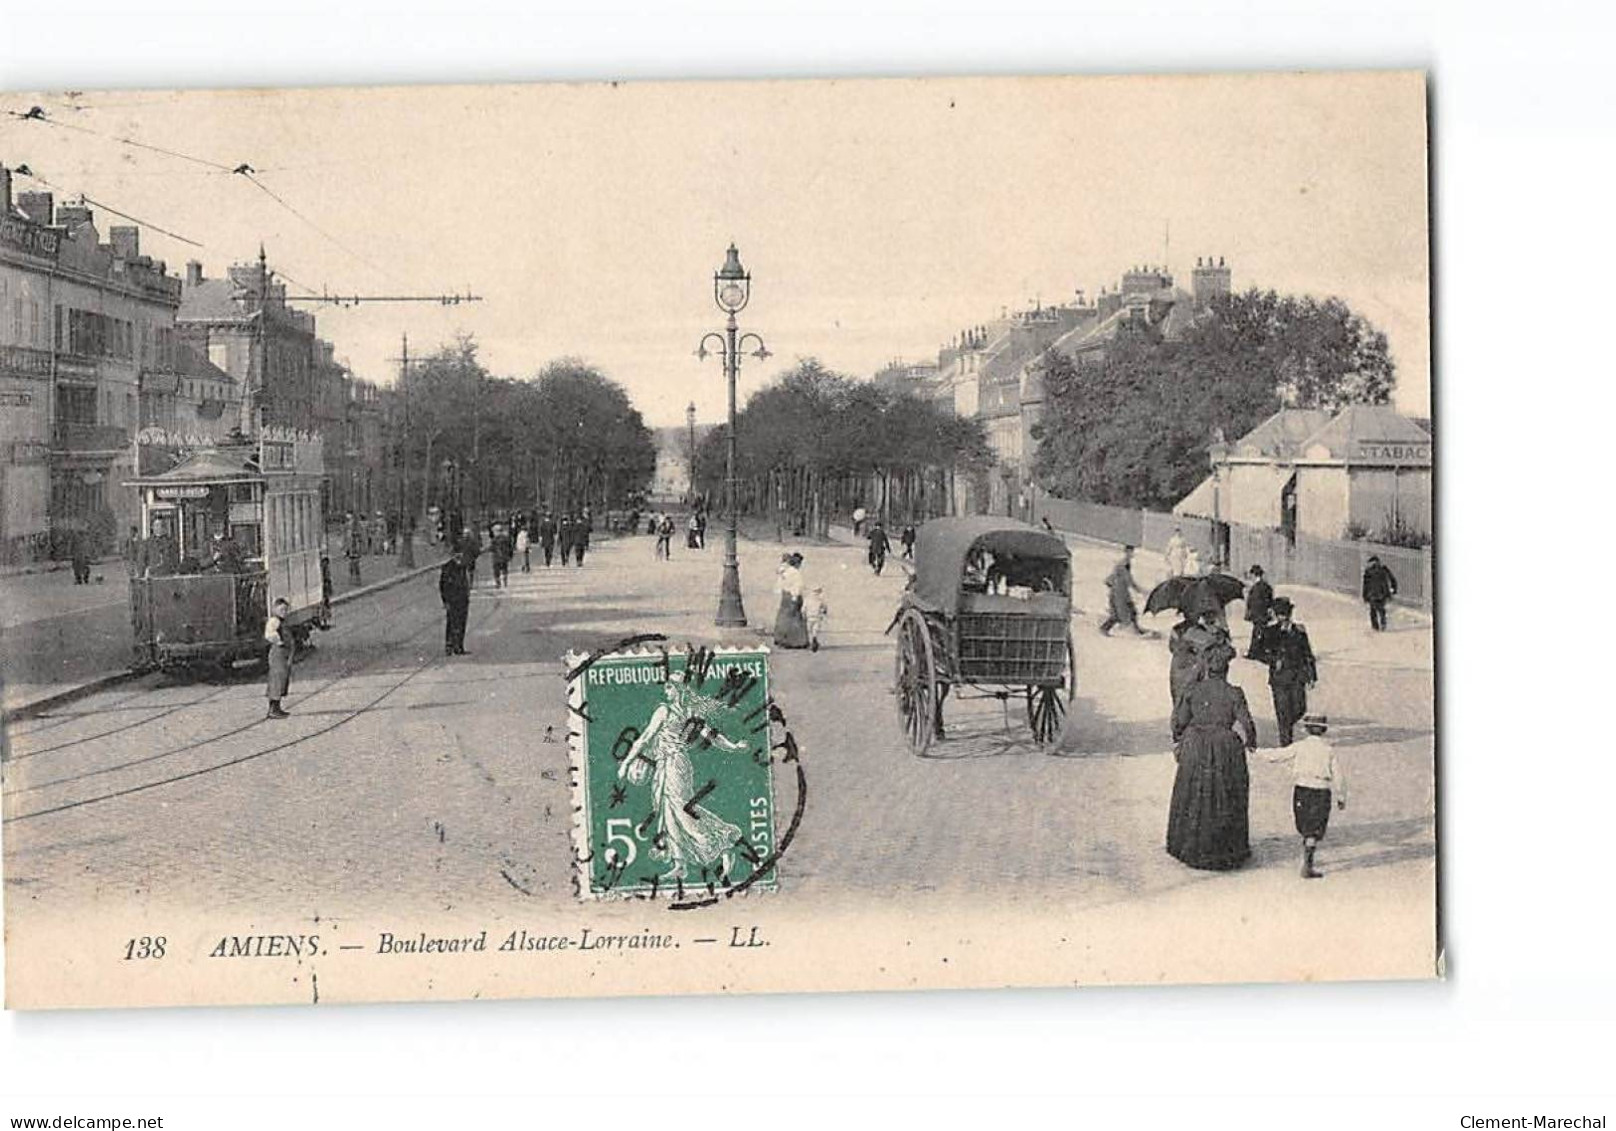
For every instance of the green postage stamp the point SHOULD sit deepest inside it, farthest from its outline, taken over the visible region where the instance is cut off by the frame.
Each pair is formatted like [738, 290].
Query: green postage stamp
[673, 793]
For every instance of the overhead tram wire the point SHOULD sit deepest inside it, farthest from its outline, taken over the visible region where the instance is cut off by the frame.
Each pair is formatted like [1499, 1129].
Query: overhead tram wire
[242, 169]
[24, 170]
[247, 172]
[37, 114]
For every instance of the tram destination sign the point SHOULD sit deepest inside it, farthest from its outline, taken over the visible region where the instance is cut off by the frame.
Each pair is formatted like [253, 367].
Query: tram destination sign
[188, 491]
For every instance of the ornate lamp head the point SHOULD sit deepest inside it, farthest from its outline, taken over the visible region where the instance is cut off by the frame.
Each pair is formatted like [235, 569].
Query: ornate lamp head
[732, 286]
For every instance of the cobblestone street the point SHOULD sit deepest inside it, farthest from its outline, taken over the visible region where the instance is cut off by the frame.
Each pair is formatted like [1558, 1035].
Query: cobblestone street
[408, 781]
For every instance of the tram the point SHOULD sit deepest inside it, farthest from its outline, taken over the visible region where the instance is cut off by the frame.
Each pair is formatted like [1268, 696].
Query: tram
[233, 526]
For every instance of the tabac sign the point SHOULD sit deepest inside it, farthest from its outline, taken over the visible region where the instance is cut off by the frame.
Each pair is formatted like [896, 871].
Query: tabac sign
[17, 234]
[1400, 452]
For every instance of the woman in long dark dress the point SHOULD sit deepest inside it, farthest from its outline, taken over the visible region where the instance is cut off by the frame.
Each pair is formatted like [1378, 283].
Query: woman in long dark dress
[1208, 825]
[790, 624]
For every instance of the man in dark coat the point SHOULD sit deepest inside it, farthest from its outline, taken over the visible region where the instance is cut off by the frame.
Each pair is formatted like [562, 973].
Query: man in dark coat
[500, 550]
[565, 533]
[1379, 586]
[1259, 600]
[880, 546]
[1122, 587]
[454, 587]
[908, 540]
[547, 536]
[81, 558]
[1291, 667]
[581, 527]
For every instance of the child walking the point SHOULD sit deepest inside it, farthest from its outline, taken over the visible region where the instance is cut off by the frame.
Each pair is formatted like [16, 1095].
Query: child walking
[818, 614]
[1319, 779]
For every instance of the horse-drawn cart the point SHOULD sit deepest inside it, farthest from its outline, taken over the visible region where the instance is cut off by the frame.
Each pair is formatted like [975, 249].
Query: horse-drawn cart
[988, 608]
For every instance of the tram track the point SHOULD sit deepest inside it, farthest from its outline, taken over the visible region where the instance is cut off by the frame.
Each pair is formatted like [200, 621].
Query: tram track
[187, 775]
[257, 720]
[166, 710]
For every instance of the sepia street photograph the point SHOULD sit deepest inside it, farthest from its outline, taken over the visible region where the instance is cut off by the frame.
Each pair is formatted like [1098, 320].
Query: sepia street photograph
[653, 537]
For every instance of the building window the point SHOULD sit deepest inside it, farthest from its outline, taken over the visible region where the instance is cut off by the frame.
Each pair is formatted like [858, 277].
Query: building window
[16, 321]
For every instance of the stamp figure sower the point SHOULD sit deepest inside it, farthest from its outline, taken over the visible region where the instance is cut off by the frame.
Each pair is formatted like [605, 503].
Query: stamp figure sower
[691, 837]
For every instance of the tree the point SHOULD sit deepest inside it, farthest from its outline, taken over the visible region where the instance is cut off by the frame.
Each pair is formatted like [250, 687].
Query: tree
[1133, 428]
[567, 438]
[815, 440]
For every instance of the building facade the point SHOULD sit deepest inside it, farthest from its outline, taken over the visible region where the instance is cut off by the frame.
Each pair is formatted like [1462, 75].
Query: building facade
[84, 327]
[1364, 472]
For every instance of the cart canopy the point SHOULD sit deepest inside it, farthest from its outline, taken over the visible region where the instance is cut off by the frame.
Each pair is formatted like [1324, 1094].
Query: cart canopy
[945, 547]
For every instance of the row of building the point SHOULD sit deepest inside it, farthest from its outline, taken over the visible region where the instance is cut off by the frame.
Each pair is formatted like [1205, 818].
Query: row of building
[1366, 470]
[110, 366]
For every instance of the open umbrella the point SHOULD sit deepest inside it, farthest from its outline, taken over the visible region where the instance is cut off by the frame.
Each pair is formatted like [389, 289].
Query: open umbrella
[1192, 595]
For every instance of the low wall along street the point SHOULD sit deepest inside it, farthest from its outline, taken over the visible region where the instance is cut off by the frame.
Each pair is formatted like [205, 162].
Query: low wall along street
[1323, 562]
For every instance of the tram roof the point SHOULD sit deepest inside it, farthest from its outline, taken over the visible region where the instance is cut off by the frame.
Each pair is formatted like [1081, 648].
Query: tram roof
[211, 465]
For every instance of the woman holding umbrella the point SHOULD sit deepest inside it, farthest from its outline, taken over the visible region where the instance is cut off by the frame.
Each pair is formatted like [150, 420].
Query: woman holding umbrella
[1208, 824]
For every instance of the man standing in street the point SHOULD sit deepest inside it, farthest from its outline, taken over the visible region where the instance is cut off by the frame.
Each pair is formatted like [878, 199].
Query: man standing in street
[1122, 586]
[1379, 586]
[564, 536]
[500, 550]
[880, 546]
[907, 537]
[279, 638]
[858, 520]
[1259, 600]
[1291, 668]
[454, 588]
[547, 536]
[581, 528]
[353, 548]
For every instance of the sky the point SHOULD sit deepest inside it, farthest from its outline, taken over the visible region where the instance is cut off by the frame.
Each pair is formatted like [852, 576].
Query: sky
[877, 217]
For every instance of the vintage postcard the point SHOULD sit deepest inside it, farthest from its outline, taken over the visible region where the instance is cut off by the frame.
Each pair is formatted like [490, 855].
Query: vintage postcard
[652, 538]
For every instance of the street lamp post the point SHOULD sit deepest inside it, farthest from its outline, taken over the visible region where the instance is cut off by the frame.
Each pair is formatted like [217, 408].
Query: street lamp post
[732, 288]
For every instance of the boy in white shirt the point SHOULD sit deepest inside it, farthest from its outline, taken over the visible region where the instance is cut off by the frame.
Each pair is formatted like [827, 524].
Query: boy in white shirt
[1319, 779]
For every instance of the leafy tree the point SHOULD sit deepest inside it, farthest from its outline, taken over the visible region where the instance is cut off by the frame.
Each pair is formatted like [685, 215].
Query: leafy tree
[567, 438]
[1134, 428]
[814, 441]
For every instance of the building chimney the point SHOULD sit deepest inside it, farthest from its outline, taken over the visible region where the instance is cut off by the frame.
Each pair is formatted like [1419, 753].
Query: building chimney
[125, 241]
[5, 191]
[38, 207]
[72, 215]
[193, 273]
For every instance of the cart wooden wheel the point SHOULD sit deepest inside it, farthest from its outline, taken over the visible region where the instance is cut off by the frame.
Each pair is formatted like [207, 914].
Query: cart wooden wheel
[916, 682]
[1046, 706]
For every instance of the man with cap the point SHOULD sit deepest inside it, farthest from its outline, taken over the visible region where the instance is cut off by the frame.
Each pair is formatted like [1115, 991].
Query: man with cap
[1291, 667]
[1379, 586]
[1259, 601]
[279, 638]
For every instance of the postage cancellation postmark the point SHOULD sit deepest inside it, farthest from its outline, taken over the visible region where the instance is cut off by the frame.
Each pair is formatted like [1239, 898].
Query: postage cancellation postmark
[672, 773]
